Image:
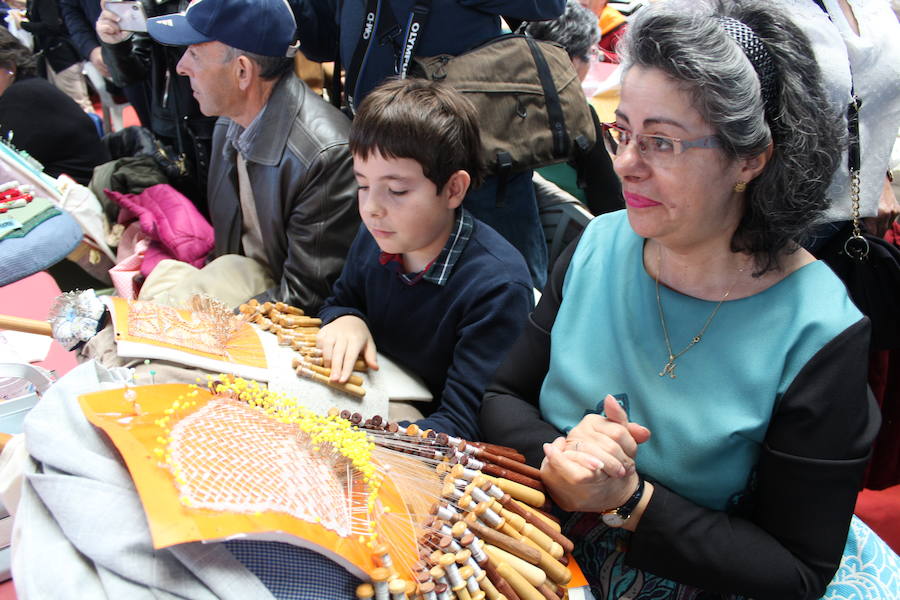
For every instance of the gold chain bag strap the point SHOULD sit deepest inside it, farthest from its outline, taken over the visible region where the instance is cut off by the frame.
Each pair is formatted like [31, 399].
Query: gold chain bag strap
[856, 246]
[868, 265]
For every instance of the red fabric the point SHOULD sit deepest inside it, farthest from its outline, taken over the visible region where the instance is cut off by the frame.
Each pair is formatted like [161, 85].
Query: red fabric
[610, 41]
[171, 221]
[884, 379]
[881, 511]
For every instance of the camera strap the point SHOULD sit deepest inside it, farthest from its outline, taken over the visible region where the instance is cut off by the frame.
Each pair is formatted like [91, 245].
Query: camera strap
[377, 18]
[415, 25]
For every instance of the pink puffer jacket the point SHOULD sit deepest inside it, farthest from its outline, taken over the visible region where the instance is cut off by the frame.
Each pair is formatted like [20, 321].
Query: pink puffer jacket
[172, 223]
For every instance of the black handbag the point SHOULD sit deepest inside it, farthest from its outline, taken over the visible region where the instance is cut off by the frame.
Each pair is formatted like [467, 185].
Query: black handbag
[872, 280]
[868, 265]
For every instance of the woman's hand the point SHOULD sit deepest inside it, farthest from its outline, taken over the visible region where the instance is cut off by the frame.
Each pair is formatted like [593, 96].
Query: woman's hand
[592, 469]
[611, 439]
[575, 486]
[342, 341]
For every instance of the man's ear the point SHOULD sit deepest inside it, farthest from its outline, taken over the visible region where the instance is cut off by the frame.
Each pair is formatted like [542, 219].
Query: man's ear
[755, 165]
[245, 71]
[456, 187]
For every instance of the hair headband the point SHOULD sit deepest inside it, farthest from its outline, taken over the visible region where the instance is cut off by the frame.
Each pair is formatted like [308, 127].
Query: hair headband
[758, 55]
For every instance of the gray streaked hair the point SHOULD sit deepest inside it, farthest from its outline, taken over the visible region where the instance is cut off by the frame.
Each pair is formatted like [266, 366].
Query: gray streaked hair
[688, 43]
[576, 30]
[270, 67]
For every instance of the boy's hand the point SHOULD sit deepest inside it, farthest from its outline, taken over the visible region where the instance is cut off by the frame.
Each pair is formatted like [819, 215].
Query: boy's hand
[342, 341]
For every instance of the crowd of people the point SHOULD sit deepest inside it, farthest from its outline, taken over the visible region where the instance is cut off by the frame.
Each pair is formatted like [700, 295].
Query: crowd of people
[693, 382]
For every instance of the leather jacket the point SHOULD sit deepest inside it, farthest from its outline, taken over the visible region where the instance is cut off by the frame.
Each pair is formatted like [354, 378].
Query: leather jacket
[301, 173]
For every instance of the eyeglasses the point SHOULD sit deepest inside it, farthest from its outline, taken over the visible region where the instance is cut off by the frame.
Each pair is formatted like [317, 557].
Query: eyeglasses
[654, 149]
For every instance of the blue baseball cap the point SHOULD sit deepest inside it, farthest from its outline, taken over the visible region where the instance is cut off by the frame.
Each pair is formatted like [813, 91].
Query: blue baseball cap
[265, 27]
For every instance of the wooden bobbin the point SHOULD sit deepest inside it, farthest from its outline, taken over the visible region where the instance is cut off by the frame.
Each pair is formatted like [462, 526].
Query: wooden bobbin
[365, 591]
[397, 589]
[519, 491]
[523, 589]
[532, 573]
[353, 390]
[495, 471]
[380, 577]
[534, 518]
[426, 590]
[508, 463]
[287, 308]
[499, 450]
[501, 540]
[353, 379]
[506, 592]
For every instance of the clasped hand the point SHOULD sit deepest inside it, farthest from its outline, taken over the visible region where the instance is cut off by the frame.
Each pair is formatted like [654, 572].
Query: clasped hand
[593, 469]
[343, 341]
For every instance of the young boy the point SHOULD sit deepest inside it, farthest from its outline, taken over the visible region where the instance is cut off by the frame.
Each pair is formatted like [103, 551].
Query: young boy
[440, 292]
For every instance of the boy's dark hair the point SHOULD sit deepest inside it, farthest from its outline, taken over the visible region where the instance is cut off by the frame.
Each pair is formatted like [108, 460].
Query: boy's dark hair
[427, 121]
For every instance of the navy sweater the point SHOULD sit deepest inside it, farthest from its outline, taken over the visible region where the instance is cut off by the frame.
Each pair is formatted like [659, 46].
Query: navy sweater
[452, 336]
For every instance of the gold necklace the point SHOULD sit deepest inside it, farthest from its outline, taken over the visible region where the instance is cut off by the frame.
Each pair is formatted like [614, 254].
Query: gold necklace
[669, 368]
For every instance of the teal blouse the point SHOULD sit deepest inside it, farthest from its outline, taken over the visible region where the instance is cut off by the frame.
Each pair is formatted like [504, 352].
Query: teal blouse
[607, 339]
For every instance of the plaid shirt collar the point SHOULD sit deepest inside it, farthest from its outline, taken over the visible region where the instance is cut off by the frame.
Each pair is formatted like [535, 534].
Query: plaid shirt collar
[243, 139]
[438, 271]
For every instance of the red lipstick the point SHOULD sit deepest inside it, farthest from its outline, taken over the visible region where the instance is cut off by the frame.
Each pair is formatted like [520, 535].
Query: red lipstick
[638, 201]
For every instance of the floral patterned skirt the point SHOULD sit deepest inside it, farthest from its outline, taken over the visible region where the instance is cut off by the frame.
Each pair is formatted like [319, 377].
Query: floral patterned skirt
[869, 569]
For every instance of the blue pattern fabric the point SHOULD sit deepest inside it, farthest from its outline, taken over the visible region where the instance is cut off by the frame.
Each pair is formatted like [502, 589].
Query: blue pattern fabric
[294, 573]
[869, 569]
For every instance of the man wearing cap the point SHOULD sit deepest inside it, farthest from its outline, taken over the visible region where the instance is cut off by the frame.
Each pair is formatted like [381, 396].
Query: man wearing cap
[281, 185]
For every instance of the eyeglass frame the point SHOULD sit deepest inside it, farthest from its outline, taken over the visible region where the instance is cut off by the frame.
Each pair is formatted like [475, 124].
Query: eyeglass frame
[678, 145]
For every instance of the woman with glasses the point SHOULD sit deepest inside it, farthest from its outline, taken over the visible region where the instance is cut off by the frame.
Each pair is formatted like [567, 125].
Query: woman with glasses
[693, 382]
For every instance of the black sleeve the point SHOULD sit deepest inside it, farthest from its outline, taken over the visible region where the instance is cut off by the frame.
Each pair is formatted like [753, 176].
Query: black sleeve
[510, 413]
[809, 473]
[129, 60]
[81, 30]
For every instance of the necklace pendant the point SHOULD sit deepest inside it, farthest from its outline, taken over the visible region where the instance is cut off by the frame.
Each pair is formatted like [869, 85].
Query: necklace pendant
[669, 369]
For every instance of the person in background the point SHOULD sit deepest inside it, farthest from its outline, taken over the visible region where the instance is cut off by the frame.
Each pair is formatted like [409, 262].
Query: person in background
[590, 177]
[437, 290]
[134, 59]
[693, 382]
[612, 26]
[60, 62]
[281, 183]
[510, 207]
[43, 121]
[80, 17]
[857, 46]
